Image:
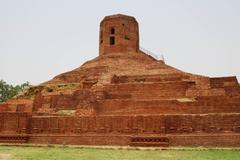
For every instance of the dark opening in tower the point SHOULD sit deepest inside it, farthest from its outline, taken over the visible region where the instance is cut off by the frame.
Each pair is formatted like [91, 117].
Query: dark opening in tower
[112, 30]
[101, 37]
[112, 40]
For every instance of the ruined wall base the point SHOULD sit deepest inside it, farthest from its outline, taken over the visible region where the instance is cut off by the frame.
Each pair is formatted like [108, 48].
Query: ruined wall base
[118, 140]
[206, 140]
[194, 140]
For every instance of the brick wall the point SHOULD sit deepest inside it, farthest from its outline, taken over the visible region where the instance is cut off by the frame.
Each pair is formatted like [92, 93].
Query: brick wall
[124, 30]
[202, 105]
[216, 123]
[14, 122]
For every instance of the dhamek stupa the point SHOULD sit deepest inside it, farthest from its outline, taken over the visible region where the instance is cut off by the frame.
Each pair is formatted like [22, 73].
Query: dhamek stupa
[125, 97]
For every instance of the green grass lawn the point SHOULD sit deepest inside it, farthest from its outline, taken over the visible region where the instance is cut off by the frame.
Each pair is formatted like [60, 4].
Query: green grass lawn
[69, 153]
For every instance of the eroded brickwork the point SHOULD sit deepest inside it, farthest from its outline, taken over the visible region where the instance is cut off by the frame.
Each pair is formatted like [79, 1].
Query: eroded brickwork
[125, 97]
[118, 33]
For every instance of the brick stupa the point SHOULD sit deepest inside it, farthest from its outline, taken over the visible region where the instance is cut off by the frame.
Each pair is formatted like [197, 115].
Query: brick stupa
[125, 97]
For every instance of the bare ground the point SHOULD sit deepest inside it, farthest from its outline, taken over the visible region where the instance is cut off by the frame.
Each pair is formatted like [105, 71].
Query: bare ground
[5, 156]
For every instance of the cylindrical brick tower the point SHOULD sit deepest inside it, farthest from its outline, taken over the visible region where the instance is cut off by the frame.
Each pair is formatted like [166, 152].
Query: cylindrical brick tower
[118, 33]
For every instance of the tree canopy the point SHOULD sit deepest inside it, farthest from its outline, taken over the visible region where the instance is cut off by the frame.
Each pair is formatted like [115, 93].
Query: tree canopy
[8, 91]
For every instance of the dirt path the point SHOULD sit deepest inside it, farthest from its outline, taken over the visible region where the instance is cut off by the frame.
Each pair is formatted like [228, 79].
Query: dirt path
[5, 156]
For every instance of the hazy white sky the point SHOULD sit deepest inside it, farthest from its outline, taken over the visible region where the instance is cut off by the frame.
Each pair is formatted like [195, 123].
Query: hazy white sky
[43, 38]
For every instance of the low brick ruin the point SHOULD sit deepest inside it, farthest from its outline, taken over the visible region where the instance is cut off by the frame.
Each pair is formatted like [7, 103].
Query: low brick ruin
[125, 97]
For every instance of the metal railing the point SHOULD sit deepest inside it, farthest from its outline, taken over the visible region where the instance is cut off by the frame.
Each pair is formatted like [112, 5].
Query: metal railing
[155, 56]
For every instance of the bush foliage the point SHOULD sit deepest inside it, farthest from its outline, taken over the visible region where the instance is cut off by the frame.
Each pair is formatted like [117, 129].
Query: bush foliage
[8, 91]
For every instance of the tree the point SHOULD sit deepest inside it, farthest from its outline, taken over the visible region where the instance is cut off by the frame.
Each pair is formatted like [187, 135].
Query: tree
[8, 91]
